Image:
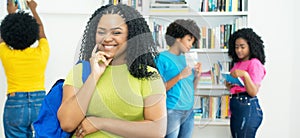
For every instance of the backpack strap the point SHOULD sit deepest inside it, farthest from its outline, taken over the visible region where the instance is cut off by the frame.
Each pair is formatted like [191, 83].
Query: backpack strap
[86, 69]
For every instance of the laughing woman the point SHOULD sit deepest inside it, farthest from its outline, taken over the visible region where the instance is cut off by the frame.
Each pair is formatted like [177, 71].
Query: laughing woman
[124, 95]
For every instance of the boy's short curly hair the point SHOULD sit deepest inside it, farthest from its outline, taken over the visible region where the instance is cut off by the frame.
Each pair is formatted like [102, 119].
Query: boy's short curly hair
[256, 44]
[19, 30]
[179, 28]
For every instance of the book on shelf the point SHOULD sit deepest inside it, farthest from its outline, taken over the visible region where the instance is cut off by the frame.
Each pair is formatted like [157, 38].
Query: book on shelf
[223, 5]
[22, 4]
[211, 107]
[216, 79]
[158, 35]
[205, 78]
[139, 5]
[203, 40]
[224, 107]
[217, 37]
[237, 81]
[197, 108]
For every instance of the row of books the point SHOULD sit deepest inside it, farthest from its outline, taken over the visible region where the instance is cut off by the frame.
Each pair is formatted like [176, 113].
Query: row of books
[217, 37]
[158, 33]
[205, 6]
[213, 76]
[211, 107]
[223, 5]
[183, 6]
[210, 37]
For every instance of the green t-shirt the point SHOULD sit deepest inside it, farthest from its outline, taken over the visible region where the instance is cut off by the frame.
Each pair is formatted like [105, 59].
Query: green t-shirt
[118, 94]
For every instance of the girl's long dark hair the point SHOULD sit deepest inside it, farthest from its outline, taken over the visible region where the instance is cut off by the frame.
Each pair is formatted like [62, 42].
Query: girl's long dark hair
[141, 49]
[254, 41]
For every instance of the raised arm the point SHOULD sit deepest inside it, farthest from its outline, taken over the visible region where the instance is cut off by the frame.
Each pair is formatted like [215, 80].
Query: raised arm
[11, 8]
[32, 5]
[75, 101]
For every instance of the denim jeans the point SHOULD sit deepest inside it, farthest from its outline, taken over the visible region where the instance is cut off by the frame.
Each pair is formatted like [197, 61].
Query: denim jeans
[180, 123]
[20, 110]
[246, 116]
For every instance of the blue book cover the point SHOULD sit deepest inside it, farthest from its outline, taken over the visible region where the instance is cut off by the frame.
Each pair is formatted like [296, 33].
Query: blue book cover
[238, 81]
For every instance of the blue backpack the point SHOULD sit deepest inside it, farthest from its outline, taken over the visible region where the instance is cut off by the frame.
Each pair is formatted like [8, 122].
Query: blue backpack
[47, 124]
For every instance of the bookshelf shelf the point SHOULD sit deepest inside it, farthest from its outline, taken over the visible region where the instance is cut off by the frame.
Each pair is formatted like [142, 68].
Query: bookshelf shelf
[211, 92]
[203, 50]
[212, 122]
[214, 87]
[209, 50]
[195, 14]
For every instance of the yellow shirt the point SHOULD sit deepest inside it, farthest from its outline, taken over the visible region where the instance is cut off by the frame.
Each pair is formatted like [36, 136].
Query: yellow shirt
[25, 69]
[118, 94]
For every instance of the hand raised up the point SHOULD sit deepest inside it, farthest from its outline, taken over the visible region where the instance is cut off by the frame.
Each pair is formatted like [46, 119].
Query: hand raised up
[31, 4]
[99, 62]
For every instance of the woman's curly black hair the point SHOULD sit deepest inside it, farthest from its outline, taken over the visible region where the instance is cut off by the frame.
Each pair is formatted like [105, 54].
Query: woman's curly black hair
[254, 41]
[141, 49]
[19, 30]
[179, 28]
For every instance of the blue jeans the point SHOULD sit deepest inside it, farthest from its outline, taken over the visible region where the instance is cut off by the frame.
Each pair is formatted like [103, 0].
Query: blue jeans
[180, 123]
[20, 110]
[246, 116]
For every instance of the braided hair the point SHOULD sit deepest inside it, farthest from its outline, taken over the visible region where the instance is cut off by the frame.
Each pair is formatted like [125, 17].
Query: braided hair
[141, 49]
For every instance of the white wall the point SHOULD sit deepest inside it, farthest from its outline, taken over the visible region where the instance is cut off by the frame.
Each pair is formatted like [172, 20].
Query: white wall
[295, 102]
[2, 77]
[273, 20]
[63, 32]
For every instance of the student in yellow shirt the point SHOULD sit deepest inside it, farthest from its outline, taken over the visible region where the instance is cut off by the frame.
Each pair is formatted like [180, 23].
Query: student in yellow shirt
[24, 68]
[124, 95]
